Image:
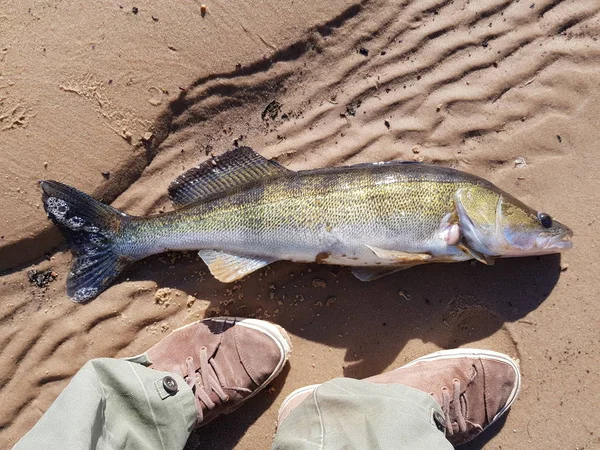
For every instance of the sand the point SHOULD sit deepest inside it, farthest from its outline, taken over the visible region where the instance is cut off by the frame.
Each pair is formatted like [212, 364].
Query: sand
[119, 103]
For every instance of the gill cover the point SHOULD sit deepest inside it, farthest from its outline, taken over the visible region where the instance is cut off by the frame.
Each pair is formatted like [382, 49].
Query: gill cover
[479, 211]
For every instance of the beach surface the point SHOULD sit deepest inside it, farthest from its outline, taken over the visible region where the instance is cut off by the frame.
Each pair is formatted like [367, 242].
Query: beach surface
[118, 99]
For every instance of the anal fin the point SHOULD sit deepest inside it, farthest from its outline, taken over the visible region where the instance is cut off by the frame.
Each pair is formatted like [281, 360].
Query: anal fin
[371, 273]
[226, 267]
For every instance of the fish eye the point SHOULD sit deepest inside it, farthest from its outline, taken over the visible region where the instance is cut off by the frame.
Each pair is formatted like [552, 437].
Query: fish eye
[545, 220]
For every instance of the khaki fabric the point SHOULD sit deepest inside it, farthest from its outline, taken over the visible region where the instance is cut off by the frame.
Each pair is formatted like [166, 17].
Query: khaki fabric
[353, 414]
[116, 404]
[121, 404]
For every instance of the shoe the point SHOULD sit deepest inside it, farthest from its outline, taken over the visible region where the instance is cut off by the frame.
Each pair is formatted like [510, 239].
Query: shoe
[225, 360]
[473, 387]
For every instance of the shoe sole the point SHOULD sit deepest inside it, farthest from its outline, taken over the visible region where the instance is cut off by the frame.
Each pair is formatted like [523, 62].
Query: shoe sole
[477, 354]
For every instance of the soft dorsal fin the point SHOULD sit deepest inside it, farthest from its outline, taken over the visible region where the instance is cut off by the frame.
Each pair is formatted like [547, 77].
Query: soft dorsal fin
[221, 174]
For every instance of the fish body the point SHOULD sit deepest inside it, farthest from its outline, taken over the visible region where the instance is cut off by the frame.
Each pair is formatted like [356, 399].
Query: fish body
[243, 212]
[298, 216]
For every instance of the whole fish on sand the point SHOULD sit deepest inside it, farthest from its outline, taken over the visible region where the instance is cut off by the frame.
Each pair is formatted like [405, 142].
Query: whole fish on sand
[243, 212]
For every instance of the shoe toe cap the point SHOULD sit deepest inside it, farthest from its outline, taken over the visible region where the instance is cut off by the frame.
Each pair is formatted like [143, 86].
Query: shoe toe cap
[263, 349]
[502, 383]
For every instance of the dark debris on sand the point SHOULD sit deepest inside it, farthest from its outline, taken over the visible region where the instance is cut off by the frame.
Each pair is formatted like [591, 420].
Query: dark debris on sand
[271, 110]
[41, 278]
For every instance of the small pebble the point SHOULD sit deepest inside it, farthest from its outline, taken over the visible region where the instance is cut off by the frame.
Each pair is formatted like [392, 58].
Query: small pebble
[520, 162]
[318, 282]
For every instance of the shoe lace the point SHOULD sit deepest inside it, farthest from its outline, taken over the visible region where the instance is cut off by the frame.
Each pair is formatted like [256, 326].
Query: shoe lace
[210, 382]
[459, 408]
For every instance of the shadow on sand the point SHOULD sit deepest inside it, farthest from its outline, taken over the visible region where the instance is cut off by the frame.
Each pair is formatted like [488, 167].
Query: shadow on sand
[449, 305]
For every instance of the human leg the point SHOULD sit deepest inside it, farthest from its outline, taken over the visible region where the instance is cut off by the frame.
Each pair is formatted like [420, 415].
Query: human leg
[156, 399]
[457, 392]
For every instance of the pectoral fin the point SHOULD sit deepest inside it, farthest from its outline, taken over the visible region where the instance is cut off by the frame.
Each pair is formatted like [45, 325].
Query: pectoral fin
[476, 255]
[398, 257]
[227, 268]
[373, 273]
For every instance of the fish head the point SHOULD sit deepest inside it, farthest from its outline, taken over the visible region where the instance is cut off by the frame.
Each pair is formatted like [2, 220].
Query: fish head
[495, 224]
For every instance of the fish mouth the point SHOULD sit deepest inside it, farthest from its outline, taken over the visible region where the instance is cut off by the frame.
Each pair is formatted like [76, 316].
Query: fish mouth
[560, 242]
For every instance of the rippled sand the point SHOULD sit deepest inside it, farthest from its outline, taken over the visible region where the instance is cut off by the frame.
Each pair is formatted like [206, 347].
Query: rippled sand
[508, 90]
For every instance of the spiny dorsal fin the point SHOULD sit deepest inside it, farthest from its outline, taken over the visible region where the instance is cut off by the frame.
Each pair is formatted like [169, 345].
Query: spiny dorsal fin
[232, 169]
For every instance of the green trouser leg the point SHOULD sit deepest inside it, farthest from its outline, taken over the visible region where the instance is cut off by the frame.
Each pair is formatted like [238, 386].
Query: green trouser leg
[116, 403]
[352, 414]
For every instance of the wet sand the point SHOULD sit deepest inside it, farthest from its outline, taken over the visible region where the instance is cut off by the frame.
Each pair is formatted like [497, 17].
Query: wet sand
[119, 103]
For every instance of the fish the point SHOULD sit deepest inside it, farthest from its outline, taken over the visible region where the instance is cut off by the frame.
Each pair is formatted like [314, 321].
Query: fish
[242, 211]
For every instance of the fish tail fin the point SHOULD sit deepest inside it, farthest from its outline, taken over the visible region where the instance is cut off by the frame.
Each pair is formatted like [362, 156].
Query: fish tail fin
[91, 229]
